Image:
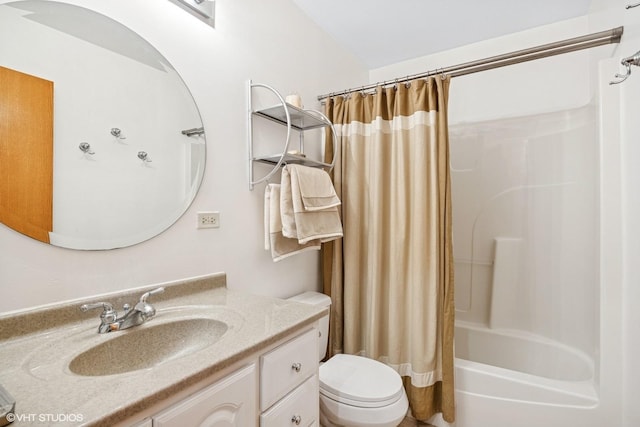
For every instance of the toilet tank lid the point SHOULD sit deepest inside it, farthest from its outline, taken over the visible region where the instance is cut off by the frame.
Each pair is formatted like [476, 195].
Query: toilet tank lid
[312, 298]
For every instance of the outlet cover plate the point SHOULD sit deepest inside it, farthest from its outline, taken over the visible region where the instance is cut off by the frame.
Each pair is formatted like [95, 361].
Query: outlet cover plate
[208, 219]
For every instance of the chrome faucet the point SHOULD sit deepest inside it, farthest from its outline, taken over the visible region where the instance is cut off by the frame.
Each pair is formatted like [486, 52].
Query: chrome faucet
[109, 320]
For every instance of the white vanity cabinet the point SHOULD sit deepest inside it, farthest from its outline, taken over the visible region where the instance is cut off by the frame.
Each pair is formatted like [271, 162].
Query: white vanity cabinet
[228, 402]
[276, 387]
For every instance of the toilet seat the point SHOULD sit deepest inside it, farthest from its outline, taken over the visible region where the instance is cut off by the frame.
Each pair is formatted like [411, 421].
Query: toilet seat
[359, 381]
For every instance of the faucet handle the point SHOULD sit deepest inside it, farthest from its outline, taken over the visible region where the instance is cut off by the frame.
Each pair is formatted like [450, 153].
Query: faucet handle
[108, 313]
[146, 295]
[147, 311]
[105, 305]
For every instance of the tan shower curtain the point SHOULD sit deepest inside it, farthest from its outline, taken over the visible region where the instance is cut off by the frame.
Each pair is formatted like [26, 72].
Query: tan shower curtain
[391, 276]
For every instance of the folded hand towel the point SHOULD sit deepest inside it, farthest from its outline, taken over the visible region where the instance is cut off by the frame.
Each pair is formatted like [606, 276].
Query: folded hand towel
[281, 246]
[315, 187]
[304, 224]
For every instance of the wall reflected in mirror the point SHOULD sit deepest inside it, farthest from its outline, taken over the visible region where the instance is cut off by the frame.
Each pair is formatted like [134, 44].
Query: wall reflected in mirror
[116, 93]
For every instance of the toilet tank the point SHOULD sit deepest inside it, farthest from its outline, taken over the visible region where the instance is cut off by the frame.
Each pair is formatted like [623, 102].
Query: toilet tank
[319, 300]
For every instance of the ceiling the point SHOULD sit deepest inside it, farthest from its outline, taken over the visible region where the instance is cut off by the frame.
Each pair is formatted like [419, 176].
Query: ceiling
[383, 32]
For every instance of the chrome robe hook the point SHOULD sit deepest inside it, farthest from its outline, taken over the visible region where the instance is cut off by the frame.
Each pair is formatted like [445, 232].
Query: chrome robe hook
[85, 147]
[627, 62]
[118, 134]
[144, 156]
[621, 77]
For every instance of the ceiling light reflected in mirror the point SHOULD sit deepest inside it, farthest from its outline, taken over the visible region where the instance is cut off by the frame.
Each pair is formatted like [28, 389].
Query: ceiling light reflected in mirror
[201, 9]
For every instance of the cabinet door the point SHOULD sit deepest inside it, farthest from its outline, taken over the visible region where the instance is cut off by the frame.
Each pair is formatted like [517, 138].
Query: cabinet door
[229, 402]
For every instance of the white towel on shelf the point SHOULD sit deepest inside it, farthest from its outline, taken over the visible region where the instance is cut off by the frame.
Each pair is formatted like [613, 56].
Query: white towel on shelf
[308, 205]
[281, 246]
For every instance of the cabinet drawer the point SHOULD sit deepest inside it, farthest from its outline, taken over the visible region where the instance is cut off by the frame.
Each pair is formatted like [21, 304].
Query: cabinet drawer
[298, 408]
[287, 366]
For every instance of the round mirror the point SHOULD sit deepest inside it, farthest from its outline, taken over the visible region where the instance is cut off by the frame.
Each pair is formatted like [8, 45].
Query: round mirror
[101, 143]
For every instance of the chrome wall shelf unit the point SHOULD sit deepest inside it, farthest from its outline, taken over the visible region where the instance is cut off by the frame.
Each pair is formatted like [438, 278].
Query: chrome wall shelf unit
[293, 118]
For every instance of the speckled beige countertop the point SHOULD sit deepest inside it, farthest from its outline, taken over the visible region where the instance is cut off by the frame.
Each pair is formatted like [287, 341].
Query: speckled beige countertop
[37, 345]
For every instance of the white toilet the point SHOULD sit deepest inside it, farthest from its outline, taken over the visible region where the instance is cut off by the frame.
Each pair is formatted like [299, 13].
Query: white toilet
[355, 391]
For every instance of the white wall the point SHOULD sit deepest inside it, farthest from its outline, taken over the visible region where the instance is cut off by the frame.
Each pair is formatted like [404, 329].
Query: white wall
[514, 90]
[271, 42]
[620, 106]
[631, 242]
[628, 109]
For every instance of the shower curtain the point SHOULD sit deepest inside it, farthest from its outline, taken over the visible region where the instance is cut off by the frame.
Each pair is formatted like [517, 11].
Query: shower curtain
[391, 276]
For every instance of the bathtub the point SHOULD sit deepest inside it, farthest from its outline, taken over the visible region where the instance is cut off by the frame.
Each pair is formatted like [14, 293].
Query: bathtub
[522, 352]
[529, 381]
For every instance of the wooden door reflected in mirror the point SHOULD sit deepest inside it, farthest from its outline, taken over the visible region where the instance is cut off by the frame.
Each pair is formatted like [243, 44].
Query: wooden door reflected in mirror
[26, 167]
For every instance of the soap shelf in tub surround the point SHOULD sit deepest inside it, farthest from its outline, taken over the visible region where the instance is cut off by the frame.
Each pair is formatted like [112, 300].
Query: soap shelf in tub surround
[37, 346]
[292, 117]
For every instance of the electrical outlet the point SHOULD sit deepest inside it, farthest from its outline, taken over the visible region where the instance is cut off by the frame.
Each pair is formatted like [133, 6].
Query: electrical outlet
[208, 219]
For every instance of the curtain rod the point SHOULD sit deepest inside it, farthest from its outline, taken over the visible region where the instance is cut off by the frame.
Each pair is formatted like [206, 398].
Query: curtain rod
[556, 48]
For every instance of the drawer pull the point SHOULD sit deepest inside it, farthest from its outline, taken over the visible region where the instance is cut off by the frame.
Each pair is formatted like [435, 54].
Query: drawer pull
[296, 419]
[296, 366]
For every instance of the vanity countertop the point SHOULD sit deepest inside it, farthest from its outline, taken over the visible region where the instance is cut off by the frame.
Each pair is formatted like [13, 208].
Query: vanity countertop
[36, 347]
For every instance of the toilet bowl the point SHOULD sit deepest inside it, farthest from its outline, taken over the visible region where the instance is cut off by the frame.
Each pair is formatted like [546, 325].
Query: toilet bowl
[355, 391]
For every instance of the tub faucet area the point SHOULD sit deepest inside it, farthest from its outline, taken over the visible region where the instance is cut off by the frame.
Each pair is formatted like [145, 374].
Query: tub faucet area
[140, 313]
